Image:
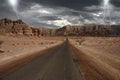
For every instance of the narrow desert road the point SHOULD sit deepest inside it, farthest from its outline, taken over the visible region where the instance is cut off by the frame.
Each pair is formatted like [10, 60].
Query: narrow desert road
[58, 64]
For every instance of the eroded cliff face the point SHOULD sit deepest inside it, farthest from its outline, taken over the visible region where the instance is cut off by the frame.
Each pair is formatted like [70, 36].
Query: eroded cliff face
[18, 27]
[8, 26]
[89, 30]
[42, 31]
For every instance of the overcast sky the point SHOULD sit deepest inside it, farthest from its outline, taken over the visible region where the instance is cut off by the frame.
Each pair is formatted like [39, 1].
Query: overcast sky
[57, 13]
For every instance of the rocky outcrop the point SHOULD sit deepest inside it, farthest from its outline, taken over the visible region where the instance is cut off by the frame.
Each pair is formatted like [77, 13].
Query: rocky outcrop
[42, 31]
[89, 30]
[18, 27]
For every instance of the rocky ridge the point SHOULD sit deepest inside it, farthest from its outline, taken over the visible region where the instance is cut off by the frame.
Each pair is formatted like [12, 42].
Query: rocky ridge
[18, 27]
[89, 30]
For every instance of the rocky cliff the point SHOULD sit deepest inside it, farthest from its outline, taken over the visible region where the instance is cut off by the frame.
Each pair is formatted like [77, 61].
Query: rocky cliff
[18, 27]
[8, 26]
[89, 30]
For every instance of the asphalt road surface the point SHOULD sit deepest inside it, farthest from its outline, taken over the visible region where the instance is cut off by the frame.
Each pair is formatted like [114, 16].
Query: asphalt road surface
[58, 64]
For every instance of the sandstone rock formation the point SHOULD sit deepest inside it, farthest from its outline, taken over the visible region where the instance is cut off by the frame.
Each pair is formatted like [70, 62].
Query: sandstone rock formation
[18, 27]
[89, 30]
[39, 31]
[8, 26]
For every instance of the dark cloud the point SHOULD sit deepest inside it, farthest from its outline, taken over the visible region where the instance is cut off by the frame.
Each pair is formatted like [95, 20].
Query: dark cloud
[49, 18]
[55, 13]
[73, 4]
[116, 2]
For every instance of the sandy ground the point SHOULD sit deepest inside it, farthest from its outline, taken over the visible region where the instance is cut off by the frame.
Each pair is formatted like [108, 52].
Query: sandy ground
[55, 64]
[98, 58]
[14, 47]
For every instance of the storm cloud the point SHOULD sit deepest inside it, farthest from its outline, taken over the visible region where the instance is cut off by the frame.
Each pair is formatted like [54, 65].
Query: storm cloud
[57, 13]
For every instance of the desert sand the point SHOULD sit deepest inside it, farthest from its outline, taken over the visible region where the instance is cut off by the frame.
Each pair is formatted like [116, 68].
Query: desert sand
[98, 58]
[17, 46]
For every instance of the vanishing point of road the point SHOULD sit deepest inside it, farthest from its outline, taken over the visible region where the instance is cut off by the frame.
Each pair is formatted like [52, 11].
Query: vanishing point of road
[57, 64]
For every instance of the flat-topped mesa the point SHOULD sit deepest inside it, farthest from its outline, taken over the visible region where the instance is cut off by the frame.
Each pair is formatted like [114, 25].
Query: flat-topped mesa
[68, 30]
[89, 30]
